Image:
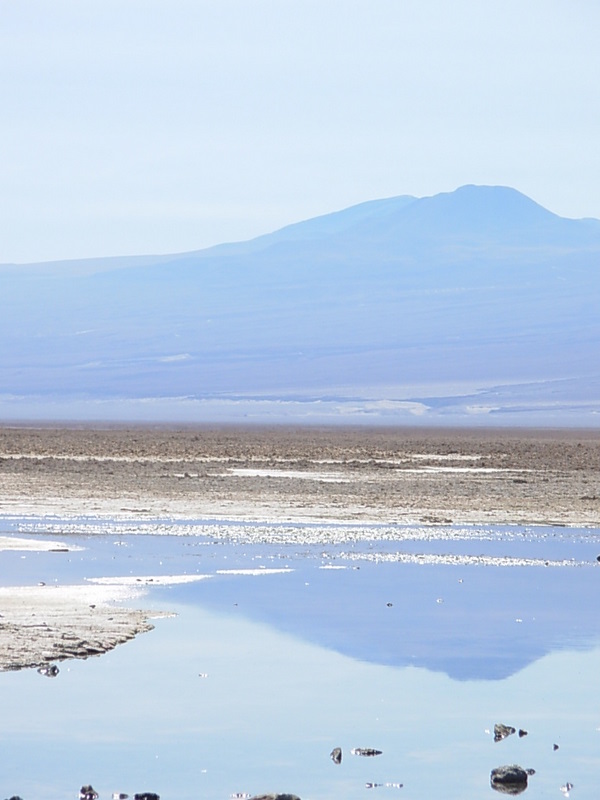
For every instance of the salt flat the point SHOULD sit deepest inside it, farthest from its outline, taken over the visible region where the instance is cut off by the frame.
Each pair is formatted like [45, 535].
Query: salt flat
[280, 474]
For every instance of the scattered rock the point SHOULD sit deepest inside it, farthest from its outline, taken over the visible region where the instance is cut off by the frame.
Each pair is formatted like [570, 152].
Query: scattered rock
[510, 779]
[51, 671]
[336, 755]
[88, 793]
[502, 731]
[522, 733]
[365, 751]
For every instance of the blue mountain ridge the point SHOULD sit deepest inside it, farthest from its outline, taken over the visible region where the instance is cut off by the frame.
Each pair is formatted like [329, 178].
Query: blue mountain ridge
[471, 305]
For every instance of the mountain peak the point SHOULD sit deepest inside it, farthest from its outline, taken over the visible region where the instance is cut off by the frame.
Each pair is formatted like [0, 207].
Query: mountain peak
[482, 209]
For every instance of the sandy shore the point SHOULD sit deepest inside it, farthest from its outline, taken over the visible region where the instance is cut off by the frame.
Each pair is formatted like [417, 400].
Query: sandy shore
[303, 474]
[277, 474]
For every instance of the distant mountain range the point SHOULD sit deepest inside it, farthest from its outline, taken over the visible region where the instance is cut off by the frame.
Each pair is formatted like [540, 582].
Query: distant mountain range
[471, 307]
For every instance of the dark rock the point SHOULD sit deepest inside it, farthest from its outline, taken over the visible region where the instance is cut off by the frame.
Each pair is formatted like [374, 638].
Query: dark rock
[88, 793]
[146, 796]
[555, 747]
[502, 731]
[365, 751]
[15, 797]
[510, 779]
[522, 733]
[51, 671]
[336, 755]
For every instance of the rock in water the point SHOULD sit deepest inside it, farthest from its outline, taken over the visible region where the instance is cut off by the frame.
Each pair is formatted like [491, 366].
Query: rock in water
[146, 796]
[502, 731]
[50, 671]
[510, 779]
[88, 793]
[336, 755]
[275, 797]
[365, 751]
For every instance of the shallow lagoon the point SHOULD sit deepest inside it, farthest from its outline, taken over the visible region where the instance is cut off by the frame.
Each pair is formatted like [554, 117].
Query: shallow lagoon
[359, 643]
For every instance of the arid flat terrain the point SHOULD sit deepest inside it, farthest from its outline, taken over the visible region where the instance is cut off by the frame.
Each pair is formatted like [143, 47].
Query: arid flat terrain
[303, 474]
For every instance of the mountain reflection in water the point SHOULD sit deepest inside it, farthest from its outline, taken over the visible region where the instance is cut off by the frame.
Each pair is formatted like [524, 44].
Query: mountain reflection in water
[261, 675]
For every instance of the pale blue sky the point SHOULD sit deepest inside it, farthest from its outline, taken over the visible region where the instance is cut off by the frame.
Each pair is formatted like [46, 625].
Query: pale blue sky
[146, 126]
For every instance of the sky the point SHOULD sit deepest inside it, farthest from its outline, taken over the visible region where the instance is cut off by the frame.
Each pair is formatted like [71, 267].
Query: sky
[145, 126]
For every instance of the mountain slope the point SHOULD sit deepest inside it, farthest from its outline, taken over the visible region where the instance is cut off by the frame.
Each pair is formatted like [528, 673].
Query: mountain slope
[387, 309]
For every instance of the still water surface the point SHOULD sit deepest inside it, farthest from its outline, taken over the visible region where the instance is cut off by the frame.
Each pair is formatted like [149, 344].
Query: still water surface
[260, 676]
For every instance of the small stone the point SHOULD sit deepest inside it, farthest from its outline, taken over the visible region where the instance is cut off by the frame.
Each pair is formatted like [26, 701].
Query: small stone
[522, 733]
[88, 793]
[365, 751]
[509, 779]
[336, 755]
[502, 731]
[555, 747]
[51, 671]
[146, 796]
[275, 797]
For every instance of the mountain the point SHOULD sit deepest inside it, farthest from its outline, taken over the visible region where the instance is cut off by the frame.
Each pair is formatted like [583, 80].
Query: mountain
[474, 306]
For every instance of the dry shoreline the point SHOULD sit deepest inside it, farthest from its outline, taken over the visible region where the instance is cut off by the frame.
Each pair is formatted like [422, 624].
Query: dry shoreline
[264, 474]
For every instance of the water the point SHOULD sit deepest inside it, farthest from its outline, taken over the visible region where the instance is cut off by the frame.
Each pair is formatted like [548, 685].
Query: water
[261, 674]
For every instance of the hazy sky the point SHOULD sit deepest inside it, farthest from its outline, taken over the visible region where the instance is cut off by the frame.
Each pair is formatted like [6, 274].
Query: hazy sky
[147, 126]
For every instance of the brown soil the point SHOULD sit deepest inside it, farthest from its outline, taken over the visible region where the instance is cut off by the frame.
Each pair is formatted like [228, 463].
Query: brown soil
[303, 474]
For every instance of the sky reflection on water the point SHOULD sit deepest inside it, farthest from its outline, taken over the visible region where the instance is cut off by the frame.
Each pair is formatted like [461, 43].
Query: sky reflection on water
[285, 683]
